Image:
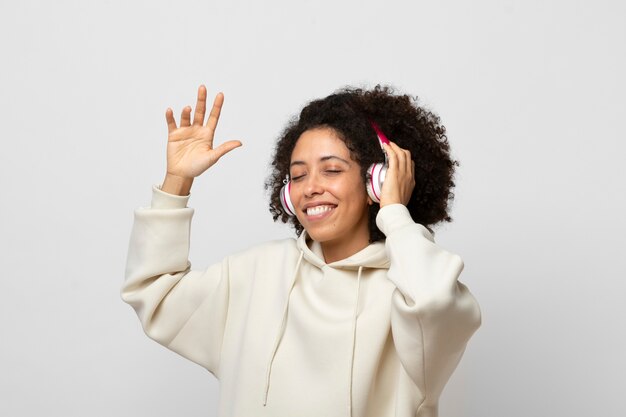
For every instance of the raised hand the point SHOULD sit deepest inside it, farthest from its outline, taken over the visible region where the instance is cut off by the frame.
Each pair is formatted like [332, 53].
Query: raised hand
[190, 149]
[400, 177]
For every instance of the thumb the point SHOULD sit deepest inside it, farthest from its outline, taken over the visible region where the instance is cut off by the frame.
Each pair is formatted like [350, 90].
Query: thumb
[226, 147]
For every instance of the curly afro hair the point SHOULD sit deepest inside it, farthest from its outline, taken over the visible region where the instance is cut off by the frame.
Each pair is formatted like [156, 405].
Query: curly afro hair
[348, 112]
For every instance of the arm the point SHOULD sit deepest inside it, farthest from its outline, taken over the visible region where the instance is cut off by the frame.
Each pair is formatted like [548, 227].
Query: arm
[432, 314]
[183, 310]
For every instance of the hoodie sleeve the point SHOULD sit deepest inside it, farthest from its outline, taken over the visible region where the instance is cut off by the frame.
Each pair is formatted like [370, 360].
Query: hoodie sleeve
[183, 310]
[432, 314]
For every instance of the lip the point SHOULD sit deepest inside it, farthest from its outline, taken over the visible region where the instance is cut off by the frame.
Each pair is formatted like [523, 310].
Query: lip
[317, 203]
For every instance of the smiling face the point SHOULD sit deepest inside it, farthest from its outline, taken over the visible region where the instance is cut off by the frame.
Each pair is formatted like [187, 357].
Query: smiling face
[328, 193]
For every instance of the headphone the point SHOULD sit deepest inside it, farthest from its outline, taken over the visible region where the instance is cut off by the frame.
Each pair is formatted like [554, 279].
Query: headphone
[374, 182]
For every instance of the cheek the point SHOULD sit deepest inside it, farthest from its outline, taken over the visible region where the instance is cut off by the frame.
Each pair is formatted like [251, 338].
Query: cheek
[295, 192]
[353, 195]
[357, 188]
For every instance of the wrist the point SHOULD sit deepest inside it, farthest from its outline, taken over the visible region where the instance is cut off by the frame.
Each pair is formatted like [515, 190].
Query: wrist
[173, 184]
[387, 201]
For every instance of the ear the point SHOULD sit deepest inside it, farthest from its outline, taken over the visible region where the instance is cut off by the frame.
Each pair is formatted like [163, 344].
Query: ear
[369, 201]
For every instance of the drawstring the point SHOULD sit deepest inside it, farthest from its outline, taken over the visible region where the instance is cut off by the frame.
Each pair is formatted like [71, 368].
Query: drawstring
[356, 310]
[281, 331]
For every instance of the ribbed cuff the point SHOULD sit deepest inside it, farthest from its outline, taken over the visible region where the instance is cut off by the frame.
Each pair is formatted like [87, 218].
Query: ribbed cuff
[395, 217]
[163, 200]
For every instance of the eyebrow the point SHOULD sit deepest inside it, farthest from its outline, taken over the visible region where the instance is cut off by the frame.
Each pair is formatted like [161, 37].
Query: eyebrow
[322, 159]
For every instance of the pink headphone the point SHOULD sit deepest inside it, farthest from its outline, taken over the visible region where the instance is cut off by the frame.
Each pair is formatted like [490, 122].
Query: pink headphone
[374, 183]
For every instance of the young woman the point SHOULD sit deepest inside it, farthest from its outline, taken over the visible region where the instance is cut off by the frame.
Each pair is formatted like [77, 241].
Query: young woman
[362, 314]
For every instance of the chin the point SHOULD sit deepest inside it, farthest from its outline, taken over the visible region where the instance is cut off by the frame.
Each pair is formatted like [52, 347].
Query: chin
[320, 235]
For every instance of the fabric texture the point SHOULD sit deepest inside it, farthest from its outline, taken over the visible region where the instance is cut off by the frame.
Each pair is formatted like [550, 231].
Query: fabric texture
[377, 334]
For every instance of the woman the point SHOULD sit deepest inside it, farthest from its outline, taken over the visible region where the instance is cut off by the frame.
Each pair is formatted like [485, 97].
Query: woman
[362, 314]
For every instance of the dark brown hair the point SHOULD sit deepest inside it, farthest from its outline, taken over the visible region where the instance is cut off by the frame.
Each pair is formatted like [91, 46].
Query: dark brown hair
[348, 112]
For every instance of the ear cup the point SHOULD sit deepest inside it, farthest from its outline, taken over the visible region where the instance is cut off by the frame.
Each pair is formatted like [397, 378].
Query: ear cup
[285, 199]
[376, 177]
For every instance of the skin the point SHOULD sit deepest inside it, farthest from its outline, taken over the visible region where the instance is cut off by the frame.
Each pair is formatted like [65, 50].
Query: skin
[343, 231]
[190, 149]
[324, 175]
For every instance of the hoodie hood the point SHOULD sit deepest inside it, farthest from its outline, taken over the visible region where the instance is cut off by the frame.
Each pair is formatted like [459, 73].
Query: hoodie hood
[373, 256]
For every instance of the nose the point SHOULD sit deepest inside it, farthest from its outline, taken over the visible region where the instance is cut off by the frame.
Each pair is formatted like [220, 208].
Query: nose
[313, 185]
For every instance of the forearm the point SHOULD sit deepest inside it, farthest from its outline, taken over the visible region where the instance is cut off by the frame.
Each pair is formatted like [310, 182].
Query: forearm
[159, 247]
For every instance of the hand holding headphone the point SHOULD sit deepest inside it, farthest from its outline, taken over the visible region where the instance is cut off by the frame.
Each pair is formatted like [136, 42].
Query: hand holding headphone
[378, 171]
[374, 182]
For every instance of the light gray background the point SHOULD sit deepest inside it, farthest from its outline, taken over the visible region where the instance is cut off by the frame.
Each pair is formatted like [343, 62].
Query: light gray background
[531, 92]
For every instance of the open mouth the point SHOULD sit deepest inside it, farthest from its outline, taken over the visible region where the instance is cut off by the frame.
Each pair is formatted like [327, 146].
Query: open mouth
[319, 211]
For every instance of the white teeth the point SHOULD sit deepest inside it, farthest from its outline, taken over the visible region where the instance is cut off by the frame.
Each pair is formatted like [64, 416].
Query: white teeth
[314, 211]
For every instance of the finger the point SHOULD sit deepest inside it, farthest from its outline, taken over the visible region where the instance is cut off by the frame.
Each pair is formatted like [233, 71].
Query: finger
[185, 116]
[226, 147]
[215, 111]
[409, 162]
[400, 156]
[198, 117]
[391, 156]
[404, 158]
[169, 118]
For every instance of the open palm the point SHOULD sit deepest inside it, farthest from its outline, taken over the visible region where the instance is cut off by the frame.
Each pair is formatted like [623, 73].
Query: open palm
[190, 149]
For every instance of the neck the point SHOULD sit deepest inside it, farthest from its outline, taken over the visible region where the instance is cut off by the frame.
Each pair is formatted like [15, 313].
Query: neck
[336, 251]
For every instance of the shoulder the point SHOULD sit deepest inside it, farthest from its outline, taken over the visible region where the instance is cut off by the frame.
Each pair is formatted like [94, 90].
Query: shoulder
[271, 262]
[271, 250]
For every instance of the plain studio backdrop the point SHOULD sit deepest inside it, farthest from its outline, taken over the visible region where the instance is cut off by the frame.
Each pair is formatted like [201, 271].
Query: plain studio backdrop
[532, 95]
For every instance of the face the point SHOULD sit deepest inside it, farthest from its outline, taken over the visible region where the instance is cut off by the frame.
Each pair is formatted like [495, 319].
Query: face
[327, 190]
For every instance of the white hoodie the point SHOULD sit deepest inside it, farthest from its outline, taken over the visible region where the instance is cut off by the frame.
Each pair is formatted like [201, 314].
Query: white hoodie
[377, 334]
